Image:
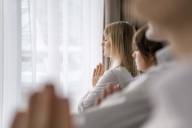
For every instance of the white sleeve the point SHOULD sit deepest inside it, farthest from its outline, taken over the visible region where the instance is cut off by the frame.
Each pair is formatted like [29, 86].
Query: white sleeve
[89, 99]
[130, 111]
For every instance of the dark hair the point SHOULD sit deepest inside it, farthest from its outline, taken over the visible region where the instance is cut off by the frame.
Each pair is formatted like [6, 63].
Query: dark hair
[146, 47]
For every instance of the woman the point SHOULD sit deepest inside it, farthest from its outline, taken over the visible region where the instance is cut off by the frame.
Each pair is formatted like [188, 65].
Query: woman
[145, 50]
[144, 56]
[118, 47]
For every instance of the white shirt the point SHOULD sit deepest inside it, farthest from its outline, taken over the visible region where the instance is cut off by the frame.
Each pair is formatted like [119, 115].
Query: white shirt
[127, 109]
[165, 55]
[119, 75]
[172, 98]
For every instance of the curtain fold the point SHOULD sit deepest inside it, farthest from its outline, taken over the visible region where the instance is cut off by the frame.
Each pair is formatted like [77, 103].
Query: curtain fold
[47, 39]
[1, 61]
[10, 59]
[62, 42]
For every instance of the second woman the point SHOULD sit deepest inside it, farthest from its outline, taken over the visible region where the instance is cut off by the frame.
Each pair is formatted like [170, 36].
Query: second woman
[118, 47]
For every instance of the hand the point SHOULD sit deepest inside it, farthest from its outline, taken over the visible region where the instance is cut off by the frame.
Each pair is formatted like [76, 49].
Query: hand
[97, 73]
[46, 110]
[109, 90]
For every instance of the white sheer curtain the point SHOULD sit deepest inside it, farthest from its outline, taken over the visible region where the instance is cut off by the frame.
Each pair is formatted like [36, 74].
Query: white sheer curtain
[41, 39]
[1, 62]
[9, 58]
[61, 40]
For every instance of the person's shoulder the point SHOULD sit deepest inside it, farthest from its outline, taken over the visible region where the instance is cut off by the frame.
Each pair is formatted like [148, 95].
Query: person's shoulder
[121, 75]
[109, 72]
[178, 78]
[173, 94]
[108, 77]
[160, 69]
[117, 71]
[165, 55]
[120, 70]
[150, 78]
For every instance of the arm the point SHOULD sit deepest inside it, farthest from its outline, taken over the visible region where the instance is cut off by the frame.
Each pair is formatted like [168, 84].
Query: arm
[125, 111]
[90, 98]
[108, 91]
[46, 110]
[128, 109]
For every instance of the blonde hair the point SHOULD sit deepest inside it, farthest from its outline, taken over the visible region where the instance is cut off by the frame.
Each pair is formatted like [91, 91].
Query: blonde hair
[121, 34]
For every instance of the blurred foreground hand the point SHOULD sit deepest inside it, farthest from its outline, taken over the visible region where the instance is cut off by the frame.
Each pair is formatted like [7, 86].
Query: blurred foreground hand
[46, 110]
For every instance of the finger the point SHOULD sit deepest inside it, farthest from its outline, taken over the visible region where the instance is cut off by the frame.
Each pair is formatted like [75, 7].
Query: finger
[104, 94]
[97, 70]
[117, 87]
[103, 66]
[20, 120]
[61, 114]
[98, 101]
[109, 90]
[102, 69]
[94, 72]
[39, 109]
[94, 78]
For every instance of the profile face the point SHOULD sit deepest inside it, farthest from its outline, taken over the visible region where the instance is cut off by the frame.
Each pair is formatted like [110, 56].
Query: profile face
[107, 44]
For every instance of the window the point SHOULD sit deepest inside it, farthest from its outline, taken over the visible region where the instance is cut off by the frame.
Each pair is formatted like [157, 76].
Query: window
[49, 39]
[9, 58]
[1, 60]
[61, 40]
